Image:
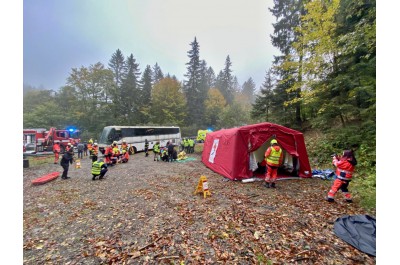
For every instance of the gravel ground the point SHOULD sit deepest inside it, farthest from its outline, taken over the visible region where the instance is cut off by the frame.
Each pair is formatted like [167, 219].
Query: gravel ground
[146, 212]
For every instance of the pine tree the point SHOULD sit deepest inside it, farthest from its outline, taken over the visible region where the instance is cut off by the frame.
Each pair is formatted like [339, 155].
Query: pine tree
[288, 16]
[226, 81]
[248, 89]
[117, 65]
[145, 95]
[210, 77]
[130, 96]
[194, 85]
[157, 74]
[263, 103]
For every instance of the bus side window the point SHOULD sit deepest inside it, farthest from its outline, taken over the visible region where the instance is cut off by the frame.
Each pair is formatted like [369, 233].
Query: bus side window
[118, 135]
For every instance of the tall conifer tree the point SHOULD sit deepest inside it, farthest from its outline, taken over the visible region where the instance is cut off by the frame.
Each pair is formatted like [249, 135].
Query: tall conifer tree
[157, 74]
[248, 89]
[226, 81]
[144, 104]
[193, 84]
[117, 65]
[288, 16]
[130, 91]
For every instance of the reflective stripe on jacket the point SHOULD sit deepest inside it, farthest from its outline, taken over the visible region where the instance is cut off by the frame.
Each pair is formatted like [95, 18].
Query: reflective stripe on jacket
[344, 169]
[96, 167]
[156, 148]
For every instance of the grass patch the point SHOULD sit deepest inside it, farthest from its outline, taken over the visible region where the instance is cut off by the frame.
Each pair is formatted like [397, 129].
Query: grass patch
[40, 160]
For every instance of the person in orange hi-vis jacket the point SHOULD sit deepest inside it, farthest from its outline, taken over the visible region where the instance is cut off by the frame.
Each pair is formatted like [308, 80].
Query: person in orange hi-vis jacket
[273, 157]
[56, 151]
[107, 155]
[125, 156]
[345, 166]
[124, 146]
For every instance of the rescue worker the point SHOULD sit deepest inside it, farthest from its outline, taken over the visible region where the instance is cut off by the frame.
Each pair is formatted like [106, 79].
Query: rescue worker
[124, 146]
[125, 156]
[69, 147]
[108, 154]
[345, 166]
[94, 153]
[191, 145]
[116, 153]
[56, 151]
[164, 154]
[146, 148]
[90, 145]
[66, 160]
[274, 157]
[99, 169]
[186, 145]
[156, 151]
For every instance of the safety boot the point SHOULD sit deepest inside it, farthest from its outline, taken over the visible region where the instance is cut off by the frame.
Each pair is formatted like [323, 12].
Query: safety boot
[329, 199]
[266, 184]
[273, 185]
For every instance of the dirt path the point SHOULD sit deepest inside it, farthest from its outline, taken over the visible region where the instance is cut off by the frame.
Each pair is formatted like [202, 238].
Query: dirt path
[145, 212]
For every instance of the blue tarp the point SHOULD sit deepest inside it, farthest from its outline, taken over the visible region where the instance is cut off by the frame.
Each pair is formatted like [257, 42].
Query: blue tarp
[327, 174]
[359, 231]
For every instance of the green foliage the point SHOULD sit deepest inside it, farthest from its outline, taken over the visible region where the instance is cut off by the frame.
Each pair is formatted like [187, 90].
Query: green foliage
[214, 105]
[189, 131]
[45, 115]
[168, 104]
[40, 160]
[364, 183]
[321, 145]
[233, 116]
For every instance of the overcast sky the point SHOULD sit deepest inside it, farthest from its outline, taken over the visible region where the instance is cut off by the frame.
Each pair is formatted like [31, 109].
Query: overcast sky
[61, 35]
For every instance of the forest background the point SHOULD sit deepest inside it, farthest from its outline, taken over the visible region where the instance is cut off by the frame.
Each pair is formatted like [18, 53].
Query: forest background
[322, 83]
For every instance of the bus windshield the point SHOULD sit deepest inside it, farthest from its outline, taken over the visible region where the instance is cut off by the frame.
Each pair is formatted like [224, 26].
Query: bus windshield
[106, 136]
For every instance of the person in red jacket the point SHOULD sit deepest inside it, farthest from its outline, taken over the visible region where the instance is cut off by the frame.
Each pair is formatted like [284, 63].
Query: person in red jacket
[274, 157]
[125, 156]
[344, 172]
[108, 154]
[56, 151]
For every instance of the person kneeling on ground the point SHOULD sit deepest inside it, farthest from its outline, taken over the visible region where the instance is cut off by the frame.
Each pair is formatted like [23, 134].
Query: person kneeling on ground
[99, 169]
[164, 155]
[125, 156]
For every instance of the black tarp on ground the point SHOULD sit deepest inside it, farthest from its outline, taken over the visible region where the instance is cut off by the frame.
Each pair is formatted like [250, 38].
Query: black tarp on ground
[357, 230]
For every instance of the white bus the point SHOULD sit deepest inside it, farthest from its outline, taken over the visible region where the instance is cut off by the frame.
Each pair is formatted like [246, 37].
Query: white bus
[135, 136]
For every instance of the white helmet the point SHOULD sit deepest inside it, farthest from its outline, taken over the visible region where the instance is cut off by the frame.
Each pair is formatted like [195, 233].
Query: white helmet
[95, 144]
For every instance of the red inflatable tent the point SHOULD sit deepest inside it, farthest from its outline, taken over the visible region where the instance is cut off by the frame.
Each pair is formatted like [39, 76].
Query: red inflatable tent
[233, 152]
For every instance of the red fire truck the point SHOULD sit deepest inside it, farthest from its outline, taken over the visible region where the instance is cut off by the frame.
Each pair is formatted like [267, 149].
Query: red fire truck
[42, 140]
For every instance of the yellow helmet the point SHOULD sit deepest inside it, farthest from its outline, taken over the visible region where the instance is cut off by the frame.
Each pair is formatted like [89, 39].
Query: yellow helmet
[274, 141]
